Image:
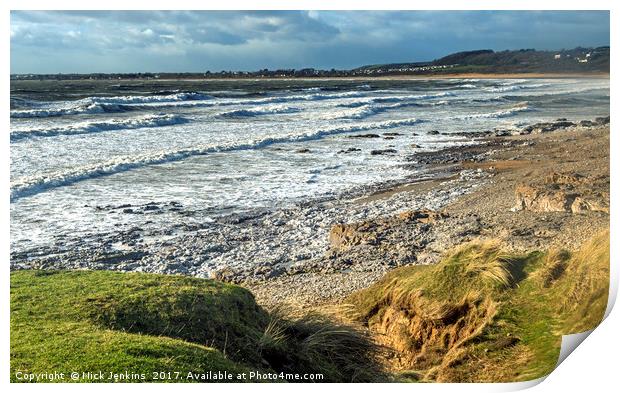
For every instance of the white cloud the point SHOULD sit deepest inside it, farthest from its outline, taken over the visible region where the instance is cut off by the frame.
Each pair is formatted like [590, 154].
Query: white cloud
[64, 41]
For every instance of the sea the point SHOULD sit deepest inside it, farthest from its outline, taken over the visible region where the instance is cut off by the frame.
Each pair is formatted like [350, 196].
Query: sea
[217, 149]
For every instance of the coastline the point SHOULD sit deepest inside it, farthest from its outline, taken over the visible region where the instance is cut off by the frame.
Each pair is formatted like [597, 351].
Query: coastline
[516, 75]
[292, 255]
[537, 197]
[474, 75]
[486, 213]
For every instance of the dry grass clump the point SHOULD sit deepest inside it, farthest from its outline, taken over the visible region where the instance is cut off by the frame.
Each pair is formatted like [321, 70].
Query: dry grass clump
[487, 261]
[482, 314]
[554, 266]
[584, 295]
[307, 341]
[429, 314]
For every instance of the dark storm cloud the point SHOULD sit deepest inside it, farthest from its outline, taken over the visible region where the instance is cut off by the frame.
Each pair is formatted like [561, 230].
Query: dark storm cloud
[123, 41]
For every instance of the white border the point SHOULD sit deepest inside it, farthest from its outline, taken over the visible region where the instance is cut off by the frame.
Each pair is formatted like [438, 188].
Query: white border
[594, 364]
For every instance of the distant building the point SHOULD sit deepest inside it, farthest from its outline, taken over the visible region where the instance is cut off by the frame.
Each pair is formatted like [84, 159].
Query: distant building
[558, 56]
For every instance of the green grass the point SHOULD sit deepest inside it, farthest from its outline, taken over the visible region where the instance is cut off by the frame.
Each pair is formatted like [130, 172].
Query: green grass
[484, 315]
[481, 314]
[91, 321]
[81, 321]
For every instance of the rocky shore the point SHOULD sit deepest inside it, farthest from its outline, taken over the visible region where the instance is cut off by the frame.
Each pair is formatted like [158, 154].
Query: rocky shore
[533, 190]
[542, 185]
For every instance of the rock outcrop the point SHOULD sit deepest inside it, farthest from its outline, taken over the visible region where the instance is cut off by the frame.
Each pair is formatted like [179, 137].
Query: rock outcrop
[381, 152]
[562, 192]
[343, 237]
[561, 124]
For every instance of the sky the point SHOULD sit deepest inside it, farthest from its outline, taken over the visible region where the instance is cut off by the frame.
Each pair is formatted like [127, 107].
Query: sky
[197, 41]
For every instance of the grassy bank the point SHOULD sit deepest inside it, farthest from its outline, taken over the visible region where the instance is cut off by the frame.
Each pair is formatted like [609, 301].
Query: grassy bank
[479, 315]
[145, 324]
[485, 315]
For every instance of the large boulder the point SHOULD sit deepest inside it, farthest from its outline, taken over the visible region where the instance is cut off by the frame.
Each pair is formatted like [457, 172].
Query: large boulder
[344, 236]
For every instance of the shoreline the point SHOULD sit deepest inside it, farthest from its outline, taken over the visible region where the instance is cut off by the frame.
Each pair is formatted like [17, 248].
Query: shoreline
[296, 257]
[486, 213]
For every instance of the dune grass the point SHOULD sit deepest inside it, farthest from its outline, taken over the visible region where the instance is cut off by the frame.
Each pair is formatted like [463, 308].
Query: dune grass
[95, 321]
[485, 315]
[481, 314]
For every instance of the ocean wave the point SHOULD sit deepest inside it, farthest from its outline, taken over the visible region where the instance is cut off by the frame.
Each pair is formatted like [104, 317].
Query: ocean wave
[245, 102]
[516, 87]
[17, 103]
[95, 127]
[359, 112]
[499, 98]
[32, 185]
[367, 110]
[182, 96]
[65, 111]
[413, 97]
[559, 93]
[252, 112]
[318, 88]
[498, 114]
[309, 97]
[96, 105]
[409, 100]
[504, 89]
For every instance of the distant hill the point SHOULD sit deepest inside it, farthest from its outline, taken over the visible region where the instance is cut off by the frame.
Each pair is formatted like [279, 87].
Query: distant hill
[578, 60]
[508, 61]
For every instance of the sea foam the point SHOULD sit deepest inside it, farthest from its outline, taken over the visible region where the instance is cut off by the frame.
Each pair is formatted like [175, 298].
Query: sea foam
[90, 127]
[31, 185]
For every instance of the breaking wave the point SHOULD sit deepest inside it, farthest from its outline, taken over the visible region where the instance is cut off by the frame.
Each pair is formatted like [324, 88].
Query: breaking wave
[270, 110]
[367, 110]
[515, 87]
[31, 185]
[95, 105]
[64, 111]
[408, 99]
[498, 114]
[95, 127]
[183, 96]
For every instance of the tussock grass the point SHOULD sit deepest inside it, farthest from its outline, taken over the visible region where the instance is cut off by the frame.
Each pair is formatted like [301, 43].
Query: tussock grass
[485, 315]
[321, 342]
[555, 264]
[585, 294]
